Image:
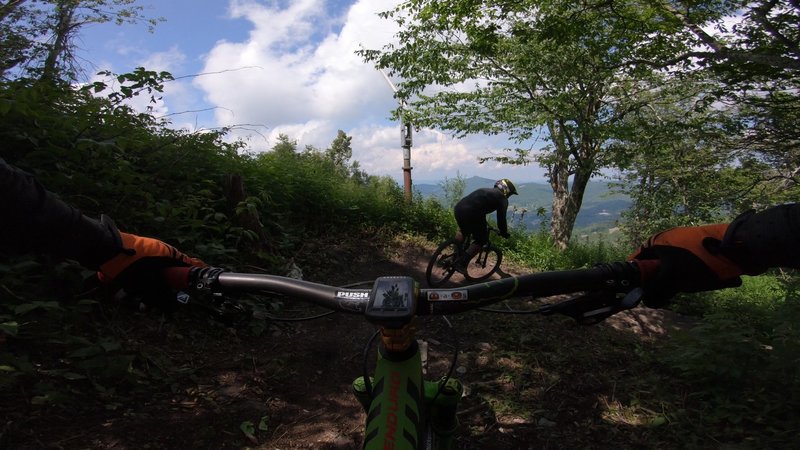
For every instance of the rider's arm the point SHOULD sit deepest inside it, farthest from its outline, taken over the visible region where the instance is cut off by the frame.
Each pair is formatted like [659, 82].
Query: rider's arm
[714, 256]
[502, 211]
[762, 240]
[35, 220]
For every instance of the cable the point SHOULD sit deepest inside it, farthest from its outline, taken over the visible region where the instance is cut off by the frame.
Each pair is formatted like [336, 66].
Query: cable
[446, 378]
[367, 382]
[296, 319]
[509, 311]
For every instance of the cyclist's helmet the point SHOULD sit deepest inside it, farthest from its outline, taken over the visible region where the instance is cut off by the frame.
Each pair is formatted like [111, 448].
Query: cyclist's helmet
[506, 186]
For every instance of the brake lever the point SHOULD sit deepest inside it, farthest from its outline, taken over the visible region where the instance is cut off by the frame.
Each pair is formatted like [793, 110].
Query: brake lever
[594, 307]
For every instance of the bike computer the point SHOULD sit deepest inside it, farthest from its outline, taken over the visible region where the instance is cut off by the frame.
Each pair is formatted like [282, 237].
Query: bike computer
[392, 302]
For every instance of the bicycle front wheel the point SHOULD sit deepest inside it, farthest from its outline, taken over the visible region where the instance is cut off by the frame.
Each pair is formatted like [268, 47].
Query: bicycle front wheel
[442, 264]
[484, 264]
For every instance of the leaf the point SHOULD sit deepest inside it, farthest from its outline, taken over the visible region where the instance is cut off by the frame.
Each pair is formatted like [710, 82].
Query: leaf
[28, 307]
[73, 376]
[263, 425]
[40, 400]
[87, 302]
[658, 421]
[25, 308]
[249, 430]
[9, 328]
[84, 352]
[26, 265]
[110, 346]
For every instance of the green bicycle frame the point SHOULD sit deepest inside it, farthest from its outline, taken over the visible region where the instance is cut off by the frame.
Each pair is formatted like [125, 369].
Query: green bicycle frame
[403, 405]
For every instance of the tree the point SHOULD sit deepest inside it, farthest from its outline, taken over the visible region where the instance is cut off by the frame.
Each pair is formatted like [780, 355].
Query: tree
[285, 146]
[690, 159]
[762, 38]
[340, 151]
[676, 162]
[16, 32]
[453, 189]
[743, 125]
[38, 35]
[556, 67]
[754, 53]
[773, 137]
[339, 154]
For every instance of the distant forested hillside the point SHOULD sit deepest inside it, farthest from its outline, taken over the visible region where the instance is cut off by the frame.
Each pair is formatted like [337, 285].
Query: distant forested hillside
[600, 210]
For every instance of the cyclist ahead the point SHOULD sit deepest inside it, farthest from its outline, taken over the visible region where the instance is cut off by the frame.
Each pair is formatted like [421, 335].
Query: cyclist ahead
[471, 211]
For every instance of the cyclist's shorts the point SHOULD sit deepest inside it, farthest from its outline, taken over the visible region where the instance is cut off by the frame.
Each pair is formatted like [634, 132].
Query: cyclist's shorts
[474, 226]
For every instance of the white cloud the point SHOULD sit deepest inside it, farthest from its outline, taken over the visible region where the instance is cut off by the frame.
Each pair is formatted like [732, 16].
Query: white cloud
[170, 60]
[297, 74]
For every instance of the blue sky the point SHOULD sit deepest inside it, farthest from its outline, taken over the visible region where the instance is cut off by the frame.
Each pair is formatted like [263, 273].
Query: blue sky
[287, 67]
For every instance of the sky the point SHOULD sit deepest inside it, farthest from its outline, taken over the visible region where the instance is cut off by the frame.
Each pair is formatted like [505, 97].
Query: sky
[271, 67]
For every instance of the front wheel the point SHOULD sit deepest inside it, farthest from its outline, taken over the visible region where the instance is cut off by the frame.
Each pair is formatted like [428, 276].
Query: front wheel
[442, 264]
[484, 264]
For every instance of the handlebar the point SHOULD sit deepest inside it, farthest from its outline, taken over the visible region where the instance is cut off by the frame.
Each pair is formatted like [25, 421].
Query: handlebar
[602, 285]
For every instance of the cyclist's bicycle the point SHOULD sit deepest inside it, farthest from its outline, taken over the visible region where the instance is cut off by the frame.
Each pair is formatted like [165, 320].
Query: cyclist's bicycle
[443, 263]
[403, 410]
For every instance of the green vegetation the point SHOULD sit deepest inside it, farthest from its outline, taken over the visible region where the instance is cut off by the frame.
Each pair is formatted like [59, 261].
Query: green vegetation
[733, 380]
[741, 365]
[268, 209]
[195, 191]
[697, 124]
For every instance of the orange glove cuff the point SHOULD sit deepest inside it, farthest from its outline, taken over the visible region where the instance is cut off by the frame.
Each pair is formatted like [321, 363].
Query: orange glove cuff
[136, 248]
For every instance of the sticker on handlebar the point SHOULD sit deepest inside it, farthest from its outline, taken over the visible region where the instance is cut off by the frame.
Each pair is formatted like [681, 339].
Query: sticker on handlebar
[446, 296]
[352, 294]
[354, 301]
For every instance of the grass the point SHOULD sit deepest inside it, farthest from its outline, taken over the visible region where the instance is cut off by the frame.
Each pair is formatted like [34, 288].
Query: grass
[731, 381]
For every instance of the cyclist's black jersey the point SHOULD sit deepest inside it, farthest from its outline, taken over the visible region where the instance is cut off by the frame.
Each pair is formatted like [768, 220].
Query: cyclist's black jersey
[472, 209]
[33, 219]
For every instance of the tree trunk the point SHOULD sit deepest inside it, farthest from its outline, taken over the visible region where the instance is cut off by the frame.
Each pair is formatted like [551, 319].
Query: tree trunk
[63, 27]
[567, 199]
[559, 227]
[235, 193]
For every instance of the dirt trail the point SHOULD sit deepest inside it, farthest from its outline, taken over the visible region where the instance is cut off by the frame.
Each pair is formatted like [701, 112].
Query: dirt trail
[290, 388]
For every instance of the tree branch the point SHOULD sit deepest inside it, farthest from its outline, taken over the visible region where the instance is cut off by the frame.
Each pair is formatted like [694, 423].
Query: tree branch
[721, 51]
[9, 7]
[760, 15]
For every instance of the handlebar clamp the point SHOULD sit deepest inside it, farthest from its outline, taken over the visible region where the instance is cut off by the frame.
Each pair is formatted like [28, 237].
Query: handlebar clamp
[205, 278]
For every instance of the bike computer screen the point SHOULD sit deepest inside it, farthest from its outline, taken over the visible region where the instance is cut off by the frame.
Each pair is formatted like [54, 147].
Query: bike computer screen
[392, 301]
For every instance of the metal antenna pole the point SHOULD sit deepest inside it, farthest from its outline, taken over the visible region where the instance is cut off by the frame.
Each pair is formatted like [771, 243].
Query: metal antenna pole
[405, 142]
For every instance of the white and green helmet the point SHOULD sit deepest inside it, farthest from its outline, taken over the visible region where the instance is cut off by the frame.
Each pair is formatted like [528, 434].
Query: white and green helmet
[506, 186]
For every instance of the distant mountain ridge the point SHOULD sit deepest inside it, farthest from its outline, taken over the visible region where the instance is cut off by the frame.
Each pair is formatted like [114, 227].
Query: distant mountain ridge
[601, 206]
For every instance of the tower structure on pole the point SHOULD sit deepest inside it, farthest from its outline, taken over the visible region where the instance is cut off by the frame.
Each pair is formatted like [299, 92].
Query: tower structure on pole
[406, 142]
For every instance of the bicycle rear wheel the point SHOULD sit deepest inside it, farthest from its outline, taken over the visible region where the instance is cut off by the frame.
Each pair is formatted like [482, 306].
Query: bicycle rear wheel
[442, 264]
[484, 264]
